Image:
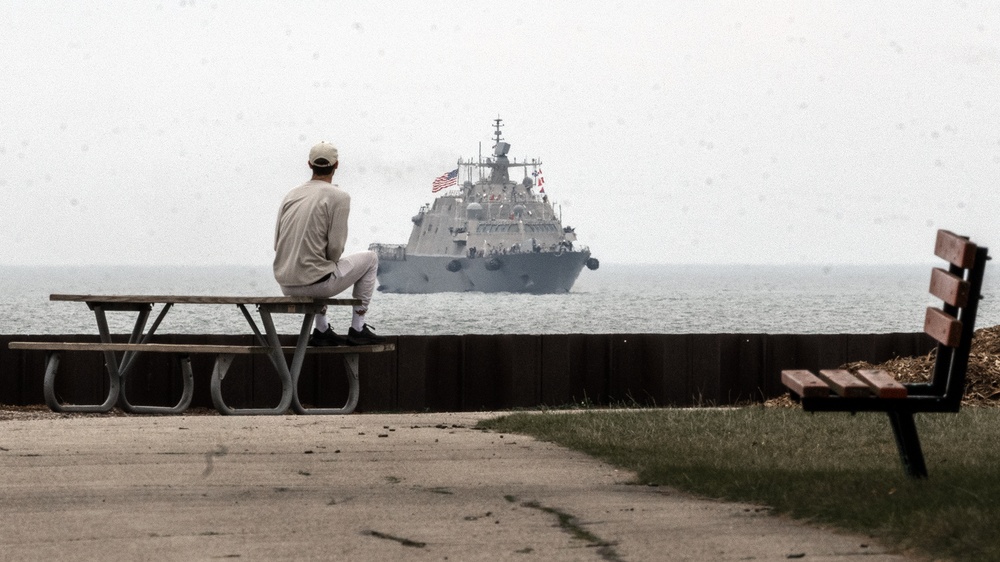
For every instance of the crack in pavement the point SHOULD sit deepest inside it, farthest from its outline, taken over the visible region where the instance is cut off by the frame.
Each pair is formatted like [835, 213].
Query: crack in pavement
[569, 523]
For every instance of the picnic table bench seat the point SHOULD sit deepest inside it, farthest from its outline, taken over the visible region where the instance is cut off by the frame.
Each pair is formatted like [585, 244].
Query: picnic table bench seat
[952, 326]
[141, 341]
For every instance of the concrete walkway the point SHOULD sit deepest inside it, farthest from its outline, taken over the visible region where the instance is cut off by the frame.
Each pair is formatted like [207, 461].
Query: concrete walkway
[359, 487]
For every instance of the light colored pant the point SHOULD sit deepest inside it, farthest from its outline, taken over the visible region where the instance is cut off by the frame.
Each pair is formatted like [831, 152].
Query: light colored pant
[360, 270]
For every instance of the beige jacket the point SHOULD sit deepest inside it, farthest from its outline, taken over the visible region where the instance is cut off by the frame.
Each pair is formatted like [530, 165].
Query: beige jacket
[311, 233]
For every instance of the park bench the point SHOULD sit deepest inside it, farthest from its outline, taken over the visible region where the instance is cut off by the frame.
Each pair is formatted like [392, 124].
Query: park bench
[140, 341]
[952, 326]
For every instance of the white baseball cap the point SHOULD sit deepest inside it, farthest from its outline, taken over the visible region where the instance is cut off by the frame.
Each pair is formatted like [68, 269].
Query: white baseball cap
[323, 154]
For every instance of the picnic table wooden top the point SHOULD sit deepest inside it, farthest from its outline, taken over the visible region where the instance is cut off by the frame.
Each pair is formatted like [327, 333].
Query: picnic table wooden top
[199, 299]
[192, 348]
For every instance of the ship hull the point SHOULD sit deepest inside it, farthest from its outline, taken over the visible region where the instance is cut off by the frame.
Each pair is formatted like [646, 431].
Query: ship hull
[534, 273]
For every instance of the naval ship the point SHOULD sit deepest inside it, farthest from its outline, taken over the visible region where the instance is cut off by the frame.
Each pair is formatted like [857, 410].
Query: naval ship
[489, 233]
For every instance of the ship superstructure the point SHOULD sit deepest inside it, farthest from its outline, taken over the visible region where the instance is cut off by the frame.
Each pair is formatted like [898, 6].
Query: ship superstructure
[488, 233]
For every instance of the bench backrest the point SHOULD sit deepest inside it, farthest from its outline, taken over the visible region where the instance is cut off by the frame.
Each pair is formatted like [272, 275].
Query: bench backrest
[954, 323]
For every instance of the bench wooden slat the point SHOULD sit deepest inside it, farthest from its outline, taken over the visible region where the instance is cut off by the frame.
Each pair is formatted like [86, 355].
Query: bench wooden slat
[956, 249]
[199, 299]
[190, 348]
[882, 383]
[948, 287]
[844, 383]
[943, 327]
[804, 383]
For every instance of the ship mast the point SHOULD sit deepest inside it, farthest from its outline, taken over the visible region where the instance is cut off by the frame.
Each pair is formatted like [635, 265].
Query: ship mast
[498, 123]
[498, 164]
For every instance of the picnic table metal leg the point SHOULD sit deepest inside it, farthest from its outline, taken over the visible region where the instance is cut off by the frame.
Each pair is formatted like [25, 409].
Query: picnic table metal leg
[49, 383]
[185, 400]
[118, 372]
[49, 389]
[128, 358]
[253, 325]
[110, 360]
[277, 357]
[297, 361]
[222, 363]
[138, 337]
[111, 363]
[299, 357]
[353, 391]
[908, 443]
[288, 372]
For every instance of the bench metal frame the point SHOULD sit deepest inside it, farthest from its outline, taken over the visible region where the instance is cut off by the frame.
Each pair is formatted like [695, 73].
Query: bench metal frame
[140, 342]
[943, 393]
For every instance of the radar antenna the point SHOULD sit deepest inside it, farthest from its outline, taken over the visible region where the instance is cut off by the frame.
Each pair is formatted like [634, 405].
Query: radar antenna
[498, 123]
[500, 148]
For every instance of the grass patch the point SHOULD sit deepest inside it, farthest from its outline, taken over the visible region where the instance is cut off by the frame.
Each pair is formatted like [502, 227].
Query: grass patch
[830, 468]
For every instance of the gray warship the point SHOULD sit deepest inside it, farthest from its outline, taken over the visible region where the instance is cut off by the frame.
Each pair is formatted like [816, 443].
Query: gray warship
[491, 234]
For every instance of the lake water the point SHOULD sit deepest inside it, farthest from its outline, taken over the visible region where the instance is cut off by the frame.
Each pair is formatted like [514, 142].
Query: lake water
[614, 299]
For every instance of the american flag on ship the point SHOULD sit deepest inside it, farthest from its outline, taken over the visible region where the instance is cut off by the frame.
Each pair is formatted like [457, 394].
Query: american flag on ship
[445, 180]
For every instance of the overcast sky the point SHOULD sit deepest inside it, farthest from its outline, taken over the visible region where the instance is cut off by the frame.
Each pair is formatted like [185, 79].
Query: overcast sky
[670, 132]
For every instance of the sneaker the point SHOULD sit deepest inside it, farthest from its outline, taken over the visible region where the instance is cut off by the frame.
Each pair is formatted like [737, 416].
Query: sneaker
[365, 336]
[326, 339]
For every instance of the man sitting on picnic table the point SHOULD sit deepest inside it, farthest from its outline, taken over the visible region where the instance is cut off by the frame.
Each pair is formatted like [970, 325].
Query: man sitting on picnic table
[309, 241]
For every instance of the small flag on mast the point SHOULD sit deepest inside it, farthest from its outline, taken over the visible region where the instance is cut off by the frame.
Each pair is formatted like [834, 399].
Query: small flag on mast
[539, 180]
[446, 180]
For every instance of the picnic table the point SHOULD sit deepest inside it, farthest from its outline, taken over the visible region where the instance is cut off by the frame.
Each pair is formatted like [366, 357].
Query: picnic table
[141, 341]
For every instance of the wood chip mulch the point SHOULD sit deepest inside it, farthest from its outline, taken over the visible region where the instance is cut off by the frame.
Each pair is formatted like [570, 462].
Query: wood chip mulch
[982, 386]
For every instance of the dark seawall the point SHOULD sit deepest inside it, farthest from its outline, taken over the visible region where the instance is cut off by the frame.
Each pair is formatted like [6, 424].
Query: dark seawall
[477, 372]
